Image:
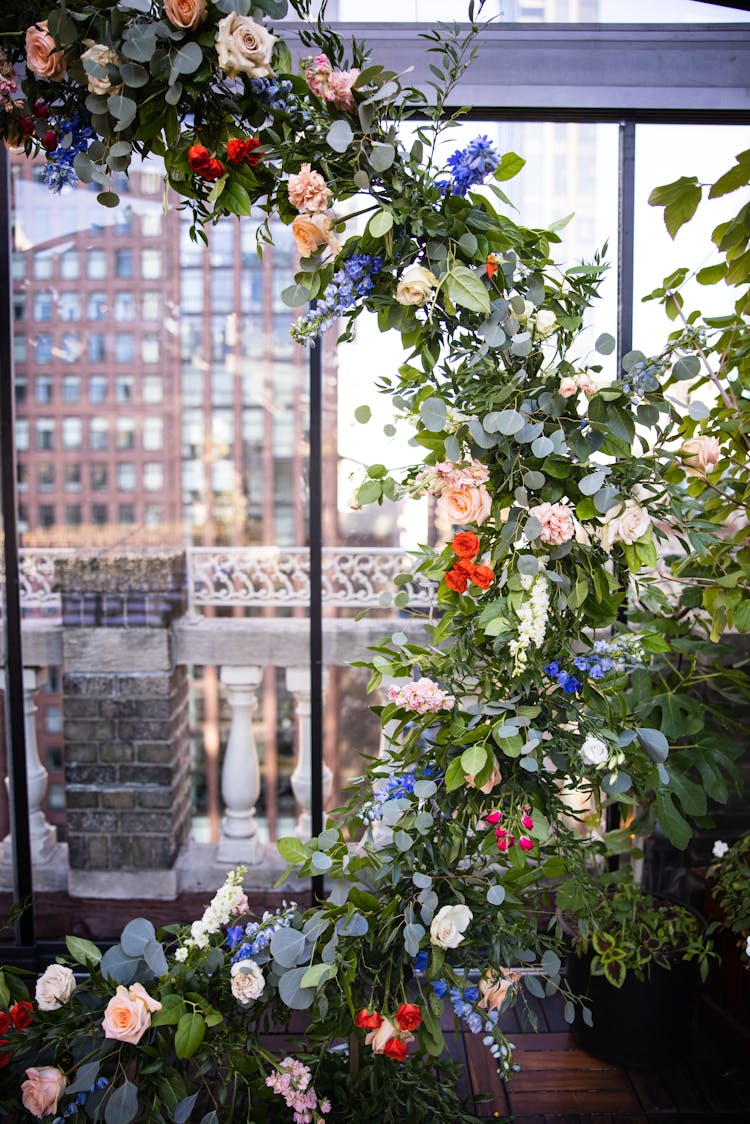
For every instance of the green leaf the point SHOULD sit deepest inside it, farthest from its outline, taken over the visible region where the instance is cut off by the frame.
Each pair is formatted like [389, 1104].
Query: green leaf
[510, 165]
[465, 288]
[235, 198]
[434, 413]
[83, 951]
[363, 414]
[122, 109]
[108, 199]
[454, 775]
[317, 974]
[295, 296]
[381, 156]
[738, 176]
[190, 1033]
[182, 1111]
[380, 224]
[134, 75]
[474, 759]
[654, 743]
[711, 274]
[674, 826]
[680, 201]
[136, 935]
[605, 344]
[340, 135]
[172, 1010]
[292, 850]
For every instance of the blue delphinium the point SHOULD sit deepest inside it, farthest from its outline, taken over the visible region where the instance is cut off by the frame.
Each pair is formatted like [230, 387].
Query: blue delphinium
[348, 284]
[642, 378]
[619, 654]
[470, 166]
[463, 1001]
[397, 785]
[80, 1099]
[77, 134]
[253, 939]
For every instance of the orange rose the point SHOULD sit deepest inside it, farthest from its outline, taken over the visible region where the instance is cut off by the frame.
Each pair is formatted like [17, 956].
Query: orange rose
[465, 544]
[185, 13]
[456, 581]
[470, 504]
[408, 1016]
[42, 56]
[483, 576]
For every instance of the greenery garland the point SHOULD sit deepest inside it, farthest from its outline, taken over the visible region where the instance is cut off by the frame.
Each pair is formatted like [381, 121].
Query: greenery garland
[530, 692]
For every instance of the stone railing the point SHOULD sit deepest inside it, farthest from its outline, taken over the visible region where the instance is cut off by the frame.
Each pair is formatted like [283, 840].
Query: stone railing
[125, 641]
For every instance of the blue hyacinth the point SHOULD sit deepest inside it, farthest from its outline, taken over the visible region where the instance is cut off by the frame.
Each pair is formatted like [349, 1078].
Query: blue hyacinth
[348, 284]
[470, 166]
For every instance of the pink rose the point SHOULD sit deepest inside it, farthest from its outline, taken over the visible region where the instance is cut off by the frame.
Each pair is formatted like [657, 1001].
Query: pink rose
[42, 56]
[339, 90]
[308, 191]
[380, 1036]
[567, 388]
[470, 504]
[700, 455]
[313, 231]
[43, 1086]
[127, 1016]
[557, 522]
[185, 13]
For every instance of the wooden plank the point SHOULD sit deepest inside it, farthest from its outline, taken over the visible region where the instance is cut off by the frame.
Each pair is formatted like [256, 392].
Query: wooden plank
[573, 1101]
[545, 1060]
[588, 1079]
[552, 1041]
[485, 1078]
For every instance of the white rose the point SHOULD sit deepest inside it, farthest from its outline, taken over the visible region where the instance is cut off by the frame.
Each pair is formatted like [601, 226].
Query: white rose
[101, 55]
[720, 849]
[545, 323]
[244, 47]
[626, 523]
[594, 751]
[448, 925]
[248, 981]
[54, 987]
[416, 286]
[528, 310]
[747, 947]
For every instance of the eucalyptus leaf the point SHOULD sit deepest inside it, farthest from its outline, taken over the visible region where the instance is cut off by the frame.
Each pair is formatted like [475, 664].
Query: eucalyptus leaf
[496, 895]
[122, 1104]
[381, 156]
[340, 135]
[434, 413]
[288, 947]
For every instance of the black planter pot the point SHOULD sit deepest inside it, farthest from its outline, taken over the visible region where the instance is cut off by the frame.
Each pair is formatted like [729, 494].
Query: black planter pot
[643, 1023]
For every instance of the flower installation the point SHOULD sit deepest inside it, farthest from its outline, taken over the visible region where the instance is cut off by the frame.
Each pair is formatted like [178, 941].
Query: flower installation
[555, 676]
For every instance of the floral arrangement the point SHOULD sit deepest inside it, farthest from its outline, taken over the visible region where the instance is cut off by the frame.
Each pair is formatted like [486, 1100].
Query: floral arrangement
[729, 879]
[558, 668]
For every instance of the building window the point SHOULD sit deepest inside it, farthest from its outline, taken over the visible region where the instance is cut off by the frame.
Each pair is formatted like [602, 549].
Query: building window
[124, 347]
[43, 305]
[42, 265]
[99, 514]
[153, 390]
[151, 306]
[98, 388]
[22, 434]
[56, 798]
[72, 475]
[96, 306]
[153, 515]
[72, 348]
[55, 758]
[20, 391]
[72, 433]
[19, 307]
[153, 434]
[98, 477]
[151, 183]
[46, 515]
[45, 476]
[124, 220]
[150, 264]
[125, 431]
[123, 263]
[124, 388]
[126, 513]
[73, 515]
[19, 349]
[96, 347]
[124, 306]
[126, 477]
[70, 306]
[96, 264]
[43, 349]
[222, 290]
[150, 349]
[153, 476]
[151, 223]
[45, 433]
[71, 388]
[70, 265]
[19, 266]
[22, 476]
[98, 434]
[43, 389]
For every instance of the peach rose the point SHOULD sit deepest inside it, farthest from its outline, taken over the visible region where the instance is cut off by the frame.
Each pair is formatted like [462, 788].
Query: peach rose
[494, 986]
[313, 231]
[185, 13]
[40, 1092]
[379, 1037]
[308, 191]
[466, 505]
[556, 521]
[494, 779]
[42, 56]
[626, 523]
[244, 47]
[416, 286]
[127, 1016]
[101, 55]
[700, 455]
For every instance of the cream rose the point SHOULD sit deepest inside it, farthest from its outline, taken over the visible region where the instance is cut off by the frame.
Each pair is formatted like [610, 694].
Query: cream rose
[185, 13]
[54, 987]
[594, 751]
[127, 1016]
[244, 47]
[545, 323]
[41, 1090]
[416, 286]
[248, 981]
[449, 924]
[466, 505]
[626, 524]
[313, 231]
[700, 455]
[98, 53]
[42, 56]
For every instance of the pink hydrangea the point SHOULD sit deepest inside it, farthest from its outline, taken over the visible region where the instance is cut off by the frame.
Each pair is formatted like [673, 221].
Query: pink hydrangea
[556, 521]
[424, 697]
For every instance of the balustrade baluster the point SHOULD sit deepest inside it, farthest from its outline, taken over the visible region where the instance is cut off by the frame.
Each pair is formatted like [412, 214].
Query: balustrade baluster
[43, 834]
[298, 683]
[240, 774]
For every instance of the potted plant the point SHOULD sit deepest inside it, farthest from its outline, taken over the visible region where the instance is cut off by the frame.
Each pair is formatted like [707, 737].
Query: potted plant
[635, 963]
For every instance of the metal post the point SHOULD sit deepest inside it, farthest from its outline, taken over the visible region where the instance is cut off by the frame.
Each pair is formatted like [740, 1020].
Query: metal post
[12, 657]
[626, 225]
[315, 545]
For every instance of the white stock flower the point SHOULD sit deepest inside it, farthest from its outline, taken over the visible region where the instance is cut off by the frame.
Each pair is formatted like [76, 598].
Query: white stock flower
[248, 981]
[449, 924]
[594, 751]
[54, 987]
[532, 616]
[720, 849]
[181, 955]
